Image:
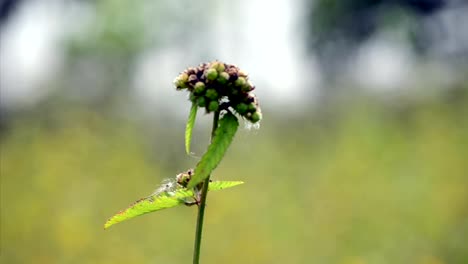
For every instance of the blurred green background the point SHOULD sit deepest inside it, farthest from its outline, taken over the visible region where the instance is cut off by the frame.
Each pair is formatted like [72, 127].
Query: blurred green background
[346, 172]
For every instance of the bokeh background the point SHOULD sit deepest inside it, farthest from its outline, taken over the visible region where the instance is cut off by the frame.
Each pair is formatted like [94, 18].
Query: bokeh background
[362, 155]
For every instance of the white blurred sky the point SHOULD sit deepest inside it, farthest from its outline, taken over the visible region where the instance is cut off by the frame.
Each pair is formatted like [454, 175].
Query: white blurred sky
[29, 52]
[268, 44]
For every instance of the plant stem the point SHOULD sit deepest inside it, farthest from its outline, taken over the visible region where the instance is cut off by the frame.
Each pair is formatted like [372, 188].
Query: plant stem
[201, 206]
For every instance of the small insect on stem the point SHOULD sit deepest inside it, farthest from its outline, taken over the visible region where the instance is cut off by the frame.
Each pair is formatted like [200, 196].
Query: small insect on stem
[184, 177]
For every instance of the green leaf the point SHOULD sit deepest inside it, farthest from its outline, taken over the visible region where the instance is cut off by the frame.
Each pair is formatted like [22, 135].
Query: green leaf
[162, 201]
[223, 137]
[189, 127]
[220, 185]
[150, 204]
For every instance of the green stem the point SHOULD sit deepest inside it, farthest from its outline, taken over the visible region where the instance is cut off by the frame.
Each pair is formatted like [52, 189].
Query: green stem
[201, 206]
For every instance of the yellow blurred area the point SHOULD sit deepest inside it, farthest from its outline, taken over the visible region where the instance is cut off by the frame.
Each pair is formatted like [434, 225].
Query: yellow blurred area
[366, 186]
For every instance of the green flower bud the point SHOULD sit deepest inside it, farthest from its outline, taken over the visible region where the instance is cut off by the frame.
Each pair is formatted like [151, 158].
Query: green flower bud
[181, 81]
[201, 101]
[209, 82]
[247, 87]
[240, 82]
[219, 66]
[256, 116]
[223, 77]
[252, 107]
[211, 74]
[199, 88]
[212, 94]
[241, 108]
[213, 106]
[193, 97]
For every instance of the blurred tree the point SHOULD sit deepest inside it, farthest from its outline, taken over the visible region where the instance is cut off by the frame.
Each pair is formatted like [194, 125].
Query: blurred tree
[101, 57]
[6, 8]
[337, 28]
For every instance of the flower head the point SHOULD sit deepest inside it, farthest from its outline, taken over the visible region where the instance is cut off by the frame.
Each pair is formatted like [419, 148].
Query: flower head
[218, 85]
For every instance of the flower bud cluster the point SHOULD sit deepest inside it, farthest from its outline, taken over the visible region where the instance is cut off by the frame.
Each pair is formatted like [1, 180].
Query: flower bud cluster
[218, 85]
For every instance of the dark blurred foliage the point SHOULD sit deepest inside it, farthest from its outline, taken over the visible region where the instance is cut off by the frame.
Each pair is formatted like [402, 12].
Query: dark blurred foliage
[6, 8]
[337, 27]
[356, 20]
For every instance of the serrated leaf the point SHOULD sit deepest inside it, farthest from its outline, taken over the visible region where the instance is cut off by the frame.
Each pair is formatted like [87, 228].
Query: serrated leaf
[150, 204]
[223, 137]
[221, 185]
[189, 127]
[162, 201]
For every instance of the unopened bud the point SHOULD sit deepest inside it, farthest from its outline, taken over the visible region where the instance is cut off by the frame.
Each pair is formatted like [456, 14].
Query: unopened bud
[192, 78]
[201, 101]
[223, 78]
[256, 116]
[193, 97]
[199, 88]
[247, 87]
[252, 107]
[219, 66]
[212, 94]
[211, 74]
[232, 71]
[240, 82]
[242, 73]
[181, 81]
[191, 70]
[213, 106]
[241, 108]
